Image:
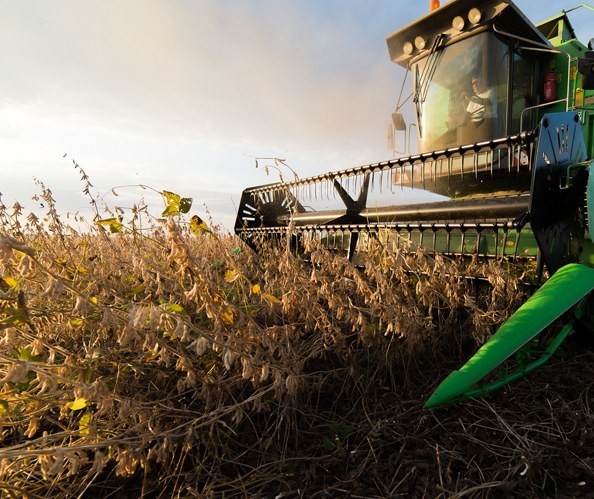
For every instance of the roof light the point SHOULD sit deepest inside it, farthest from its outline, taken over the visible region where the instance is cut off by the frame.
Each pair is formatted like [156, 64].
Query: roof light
[458, 23]
[420, 42]
[408, 48]
[474, 15]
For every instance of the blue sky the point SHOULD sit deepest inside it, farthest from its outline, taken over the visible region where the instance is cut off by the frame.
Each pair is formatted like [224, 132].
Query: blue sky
[182, 95]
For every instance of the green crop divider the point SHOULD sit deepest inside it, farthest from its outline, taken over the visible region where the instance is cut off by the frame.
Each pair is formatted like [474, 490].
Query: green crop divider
[564, 291]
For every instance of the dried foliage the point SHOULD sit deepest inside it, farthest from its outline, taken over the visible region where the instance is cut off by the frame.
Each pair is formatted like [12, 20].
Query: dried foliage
[170, 362]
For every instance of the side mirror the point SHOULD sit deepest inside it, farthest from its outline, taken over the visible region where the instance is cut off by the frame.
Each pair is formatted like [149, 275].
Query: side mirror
[586, 68]
[398, 121]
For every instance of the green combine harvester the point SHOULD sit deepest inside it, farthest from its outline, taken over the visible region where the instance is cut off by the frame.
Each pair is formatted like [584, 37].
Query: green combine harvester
[505, 132]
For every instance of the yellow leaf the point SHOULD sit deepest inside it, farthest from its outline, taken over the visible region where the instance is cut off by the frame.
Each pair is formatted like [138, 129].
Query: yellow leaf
[94, 300]
[231, 275]
[256, 289]
[114, 224]
[77, 404]
[228, 316]
[270, 298]
[84, 423]
[10, 281]
[79, 269]
[198, 226]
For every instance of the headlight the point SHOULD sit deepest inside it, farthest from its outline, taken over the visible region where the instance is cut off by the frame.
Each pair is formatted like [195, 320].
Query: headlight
[458, 23]
[474, 15]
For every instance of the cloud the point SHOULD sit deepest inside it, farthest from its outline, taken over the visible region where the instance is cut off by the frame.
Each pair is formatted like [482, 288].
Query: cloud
[268, 70]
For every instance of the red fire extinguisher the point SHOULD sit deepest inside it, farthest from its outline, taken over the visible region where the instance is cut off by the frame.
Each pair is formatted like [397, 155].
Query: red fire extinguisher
[550, 87]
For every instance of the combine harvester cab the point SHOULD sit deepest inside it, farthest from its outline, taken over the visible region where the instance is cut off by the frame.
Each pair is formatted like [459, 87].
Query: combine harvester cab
[505, 126]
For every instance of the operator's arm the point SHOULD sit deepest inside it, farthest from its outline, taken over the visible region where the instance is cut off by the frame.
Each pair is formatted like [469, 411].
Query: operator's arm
[484, 101]
[480, 100]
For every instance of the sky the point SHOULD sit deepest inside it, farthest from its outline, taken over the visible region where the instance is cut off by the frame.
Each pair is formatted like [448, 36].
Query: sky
[183, 95]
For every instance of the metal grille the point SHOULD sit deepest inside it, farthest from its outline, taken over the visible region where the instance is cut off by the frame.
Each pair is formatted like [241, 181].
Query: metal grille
[498, 158]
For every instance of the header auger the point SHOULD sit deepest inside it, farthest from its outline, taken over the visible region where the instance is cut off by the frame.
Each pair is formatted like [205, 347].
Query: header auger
[505, 131]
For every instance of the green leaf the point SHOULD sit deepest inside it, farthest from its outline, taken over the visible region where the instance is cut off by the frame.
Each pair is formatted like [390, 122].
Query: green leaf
[342, 430]
[26, 354]
[114, 224]
[25, 385]
[175, 204]
[329, 445]
[11, 316]
[236, 251]
[3, 406]
[136, 290]
[290, 469]
[77, 404]
[185, 204]
[174, 308]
